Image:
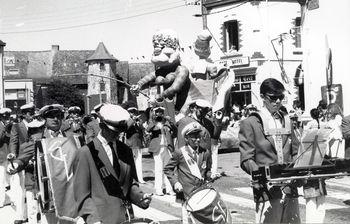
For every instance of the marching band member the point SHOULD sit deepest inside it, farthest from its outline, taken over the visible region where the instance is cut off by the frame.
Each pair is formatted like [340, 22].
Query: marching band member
[265, 139]
[197, 111]
[73, 121]
[34, 131]
[19, 135]
[162, 132]
[5, 127]
[190, 166]
[93, 127]
[53, 115]
[105, 181]
[134, 135]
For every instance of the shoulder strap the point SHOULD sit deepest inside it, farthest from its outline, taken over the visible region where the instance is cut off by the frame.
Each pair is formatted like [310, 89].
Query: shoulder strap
[110, 183]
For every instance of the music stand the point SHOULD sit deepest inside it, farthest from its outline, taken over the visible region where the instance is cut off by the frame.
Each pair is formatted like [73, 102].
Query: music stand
[313, 147]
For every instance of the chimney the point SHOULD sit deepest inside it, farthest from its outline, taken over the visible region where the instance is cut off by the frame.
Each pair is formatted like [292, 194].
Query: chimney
[55, 48]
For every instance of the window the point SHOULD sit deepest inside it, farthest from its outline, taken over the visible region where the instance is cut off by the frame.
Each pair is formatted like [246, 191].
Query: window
[231, 36]
[102, 67]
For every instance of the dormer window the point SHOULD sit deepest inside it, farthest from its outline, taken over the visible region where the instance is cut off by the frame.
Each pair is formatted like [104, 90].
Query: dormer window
[231, 36]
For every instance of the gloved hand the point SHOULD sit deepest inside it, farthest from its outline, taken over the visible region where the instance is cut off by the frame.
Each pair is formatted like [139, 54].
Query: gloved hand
[134, 89]
[12, 168]
[178, 187]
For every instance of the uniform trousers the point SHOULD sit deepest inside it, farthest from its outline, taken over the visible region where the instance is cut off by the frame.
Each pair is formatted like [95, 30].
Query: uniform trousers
[18, 195]
[278, 210]
[161, 158]
[214, 156]
[3, 182]
[138, 163]
[32, 207]
[315, 209]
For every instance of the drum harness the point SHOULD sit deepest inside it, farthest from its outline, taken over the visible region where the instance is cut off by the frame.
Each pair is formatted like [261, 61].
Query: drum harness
[110, 183]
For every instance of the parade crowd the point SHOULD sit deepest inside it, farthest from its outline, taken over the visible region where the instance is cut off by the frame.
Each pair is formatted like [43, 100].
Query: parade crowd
[108, 167]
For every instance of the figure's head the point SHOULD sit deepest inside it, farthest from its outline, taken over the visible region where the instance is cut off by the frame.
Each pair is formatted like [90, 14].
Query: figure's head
[158, 113]
[166, 48]
[74, 111]
[28, 111]
[113, 121]
[192, 133]
[272, 93]
[53, 115]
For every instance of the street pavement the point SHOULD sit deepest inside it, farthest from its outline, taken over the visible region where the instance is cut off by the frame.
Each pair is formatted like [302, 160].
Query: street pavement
[234, 190]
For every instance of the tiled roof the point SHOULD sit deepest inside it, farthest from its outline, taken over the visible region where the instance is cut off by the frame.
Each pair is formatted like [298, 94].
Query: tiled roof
[101, 53]
[70, 61]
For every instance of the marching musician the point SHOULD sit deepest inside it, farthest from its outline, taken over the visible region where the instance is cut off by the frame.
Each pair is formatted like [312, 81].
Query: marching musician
[19, 135]
[190, 166]
[5, 128]
[53, 115]
[162, 132]
[73, 121]
[265, 139]
[105, 182]
[134, 136]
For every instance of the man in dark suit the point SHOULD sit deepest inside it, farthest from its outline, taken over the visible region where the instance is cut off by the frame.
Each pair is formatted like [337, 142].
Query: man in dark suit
[53, 115]
[266, 139]
[19, 135]
[105, 180]
[5, 127]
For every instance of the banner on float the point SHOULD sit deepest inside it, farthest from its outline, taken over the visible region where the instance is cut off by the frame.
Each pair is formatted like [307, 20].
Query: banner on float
[60, 154]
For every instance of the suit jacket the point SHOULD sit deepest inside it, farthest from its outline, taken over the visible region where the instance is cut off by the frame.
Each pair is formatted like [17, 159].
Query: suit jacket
[4, 142]
[183, 174]
[257, 149]
[92, 129]
[134, 135]
[94, 203]
[170, 131]
[19, 135]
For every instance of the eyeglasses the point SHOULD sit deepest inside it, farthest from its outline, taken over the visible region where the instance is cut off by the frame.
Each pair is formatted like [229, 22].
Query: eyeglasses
[53, 115]
[274, 98]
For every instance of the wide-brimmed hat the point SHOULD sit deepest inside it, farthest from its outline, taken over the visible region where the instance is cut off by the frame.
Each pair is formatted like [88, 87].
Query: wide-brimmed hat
[114, 116]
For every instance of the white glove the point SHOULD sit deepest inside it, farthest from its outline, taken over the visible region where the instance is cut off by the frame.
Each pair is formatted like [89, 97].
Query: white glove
[178, 187]
[12, 169]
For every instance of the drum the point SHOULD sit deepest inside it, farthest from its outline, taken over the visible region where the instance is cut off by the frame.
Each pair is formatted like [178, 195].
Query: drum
[140, 221]
[205, 204]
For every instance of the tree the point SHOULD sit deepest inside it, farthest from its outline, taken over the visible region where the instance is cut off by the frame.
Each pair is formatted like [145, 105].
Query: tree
[64, 93]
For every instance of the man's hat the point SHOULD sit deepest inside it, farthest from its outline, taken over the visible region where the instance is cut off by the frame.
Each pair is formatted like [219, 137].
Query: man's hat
[36, 123]
[202, 103]
[5, 110]
[190, 128]
[28, 106]
[98, 107]
[158, 108]
[114, 116]
[202, 44]
[48, 108]
[74, 109]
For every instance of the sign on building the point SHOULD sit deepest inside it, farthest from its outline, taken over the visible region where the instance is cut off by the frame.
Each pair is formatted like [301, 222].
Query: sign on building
[9, 61]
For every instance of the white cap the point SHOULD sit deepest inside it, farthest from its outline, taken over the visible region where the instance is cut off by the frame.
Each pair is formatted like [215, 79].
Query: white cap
[191, 128]
[36, 123]
[27, 106]
[114, 116]
[5, 110]
[74, 109]
[51, 107]
[202, 103]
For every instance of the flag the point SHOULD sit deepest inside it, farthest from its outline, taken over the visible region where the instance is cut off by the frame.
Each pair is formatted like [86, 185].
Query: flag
[60, 154]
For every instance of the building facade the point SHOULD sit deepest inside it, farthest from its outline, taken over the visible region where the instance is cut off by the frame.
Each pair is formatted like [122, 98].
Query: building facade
[256, 40]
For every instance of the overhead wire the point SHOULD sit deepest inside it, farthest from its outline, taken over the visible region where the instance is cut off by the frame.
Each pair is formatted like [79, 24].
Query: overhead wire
[92, 23]
[101, 15]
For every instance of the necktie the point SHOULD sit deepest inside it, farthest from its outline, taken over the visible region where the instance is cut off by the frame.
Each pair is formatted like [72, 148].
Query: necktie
[195, 156]
[116, 165]
[55, 134]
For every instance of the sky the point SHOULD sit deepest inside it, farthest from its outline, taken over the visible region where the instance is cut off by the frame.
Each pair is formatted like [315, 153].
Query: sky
[124, 26]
